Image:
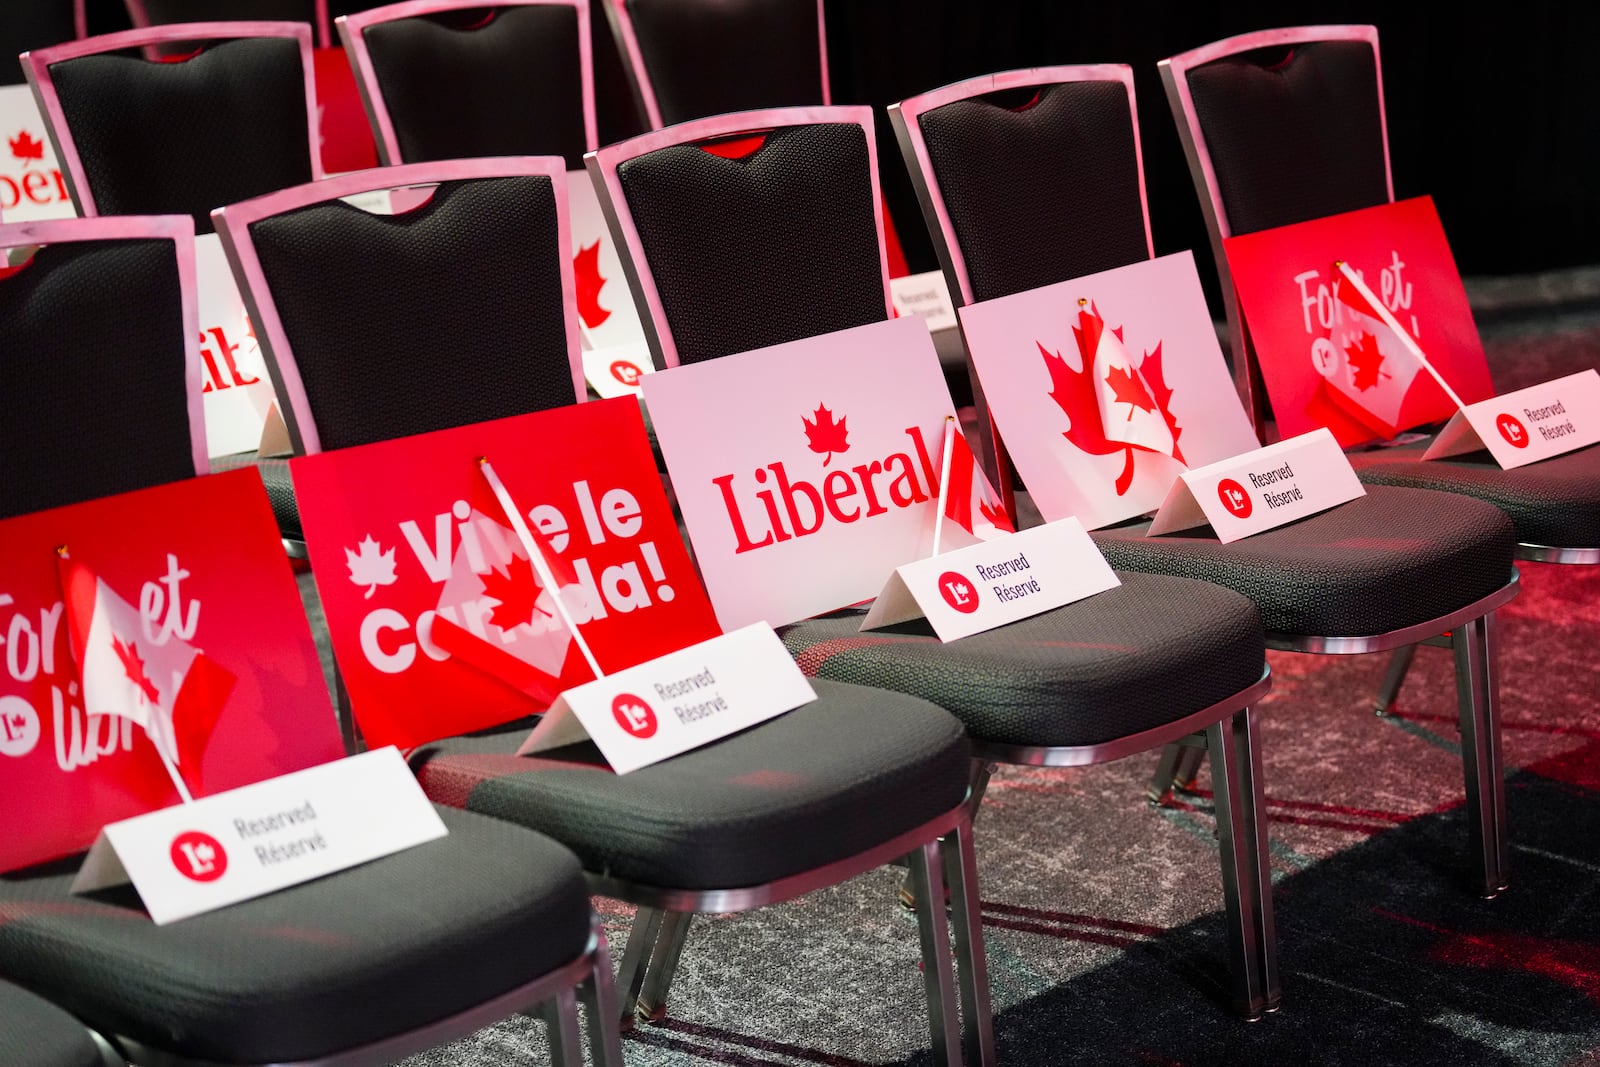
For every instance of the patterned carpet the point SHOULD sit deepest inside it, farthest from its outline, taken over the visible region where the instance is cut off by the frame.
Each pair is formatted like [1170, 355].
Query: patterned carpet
[1102, 914]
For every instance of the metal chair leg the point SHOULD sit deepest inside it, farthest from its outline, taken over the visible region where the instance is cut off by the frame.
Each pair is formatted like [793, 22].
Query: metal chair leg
[927, 880]
[652, 1006]
[1393, 678]
[1189, 759]
[561, 1019]
[1476, 647]
[1246, 871]
[1179, 763]
[636, 955]
[977, 785]
[977, 1015]
[599, 998]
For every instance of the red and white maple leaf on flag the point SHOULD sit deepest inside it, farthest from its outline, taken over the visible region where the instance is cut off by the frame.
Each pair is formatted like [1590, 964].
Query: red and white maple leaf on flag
[370, 565]
[166, 685]
[589, 281]
[26, 147]
[1112, 406]
[824, 435]
[1370, 370]
[972, 503]
[1366, 362]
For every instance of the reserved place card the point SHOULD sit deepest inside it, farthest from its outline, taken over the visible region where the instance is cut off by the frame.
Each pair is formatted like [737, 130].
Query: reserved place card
[1528, 425]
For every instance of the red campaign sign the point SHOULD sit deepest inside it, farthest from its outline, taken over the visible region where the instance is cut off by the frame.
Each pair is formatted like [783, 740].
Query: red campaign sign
[186, 590]
[1327, 361]
[345, 135]
[405, 533]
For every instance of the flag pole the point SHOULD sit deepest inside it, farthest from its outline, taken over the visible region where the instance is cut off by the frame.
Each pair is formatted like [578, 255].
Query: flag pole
[536, 557]
[950, 431]
[1399, 331]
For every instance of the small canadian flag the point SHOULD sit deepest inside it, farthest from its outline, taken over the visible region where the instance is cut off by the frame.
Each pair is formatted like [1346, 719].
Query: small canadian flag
[1128, 410]
[167, 686]
[971, 502]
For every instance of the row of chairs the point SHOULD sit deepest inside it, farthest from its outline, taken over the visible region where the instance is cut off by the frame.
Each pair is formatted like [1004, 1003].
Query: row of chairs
[659, 188]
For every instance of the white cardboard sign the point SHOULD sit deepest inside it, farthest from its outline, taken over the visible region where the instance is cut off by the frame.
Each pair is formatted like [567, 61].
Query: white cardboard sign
[32, 186]
[1261, 490]
[679, 701]
[249, 842]
[991, 583]
[238, 390]
[924, 295]
[616, 369]
[1528, 425]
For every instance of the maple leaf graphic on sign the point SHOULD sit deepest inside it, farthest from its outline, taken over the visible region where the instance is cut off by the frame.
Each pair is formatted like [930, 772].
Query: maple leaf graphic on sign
[824, 435]
[1366, 362]
[371, 566]
[1129, 390]
[516, 591]
[25, 147]
[133, 667]
[586, 267]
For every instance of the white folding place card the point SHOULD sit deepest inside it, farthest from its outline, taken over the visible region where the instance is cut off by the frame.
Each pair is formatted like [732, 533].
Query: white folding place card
[1528, 425]
[991, 583]
[926, 295]
[679, 701]
[615, 370]
[1262, 489]
[260, 838]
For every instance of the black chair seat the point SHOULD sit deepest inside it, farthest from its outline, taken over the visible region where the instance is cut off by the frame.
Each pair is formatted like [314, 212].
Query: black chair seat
[851, 770]
[323, 967]
[1553, 502]
[1121, 662]
[37, 1033]
[1393, 558]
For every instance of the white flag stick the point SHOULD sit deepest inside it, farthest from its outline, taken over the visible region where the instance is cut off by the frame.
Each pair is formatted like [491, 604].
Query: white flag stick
[540, 564]
[950, 431]
[1399, 331]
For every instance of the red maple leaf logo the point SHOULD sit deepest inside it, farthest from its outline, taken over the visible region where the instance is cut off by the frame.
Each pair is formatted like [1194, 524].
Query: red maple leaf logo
[1366, 363]
[1074, 392]
[24, 147]
[517, 591]
[586, 265]
[133, 667]
[824, 435]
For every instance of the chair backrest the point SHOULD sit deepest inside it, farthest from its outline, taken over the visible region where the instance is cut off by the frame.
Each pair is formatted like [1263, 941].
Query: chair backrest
[452, 79]
[99, 360]
[1029, 177]
[37, 24]
[748, 230]
[690, 59]
[453, 311]
[139, 135]
[166, 12]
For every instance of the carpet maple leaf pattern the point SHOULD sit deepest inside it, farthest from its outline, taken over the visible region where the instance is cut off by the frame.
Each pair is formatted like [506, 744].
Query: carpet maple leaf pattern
[133, 667]
[586, 268]
[1366, 362]
[1074, 392]
[25, 147]
[517, 591]
[824, 435]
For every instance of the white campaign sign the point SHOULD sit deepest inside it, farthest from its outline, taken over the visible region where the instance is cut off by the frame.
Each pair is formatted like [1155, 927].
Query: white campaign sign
[238, 391]
[1528, 425]
[679, 701]
[925, 295]
[32, 186]
[616, 369]
[1262, 489]
[991, 583]
[249, 842]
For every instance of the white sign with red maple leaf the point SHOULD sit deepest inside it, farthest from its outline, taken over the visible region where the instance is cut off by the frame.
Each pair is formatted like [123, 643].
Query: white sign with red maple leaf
[615, 354]
[1095, 432]
[238, 392]
[31, 183]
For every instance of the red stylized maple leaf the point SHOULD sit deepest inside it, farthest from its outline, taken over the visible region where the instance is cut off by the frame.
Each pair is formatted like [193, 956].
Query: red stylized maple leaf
[1155, 374]
[133, 667]
[825, 435]
[997, 516]
[24, 147]
[517, 591]
[586, 265]
[1366, 362]
[1129, 390]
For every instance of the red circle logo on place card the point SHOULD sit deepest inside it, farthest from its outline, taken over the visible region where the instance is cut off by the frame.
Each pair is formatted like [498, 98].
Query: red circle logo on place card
[1234, 498]
[1512, 430]
[625, 372]
[634, 715]
[958, 592]
[199, 857]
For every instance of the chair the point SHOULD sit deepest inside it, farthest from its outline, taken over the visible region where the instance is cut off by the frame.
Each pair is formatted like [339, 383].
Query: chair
[139, 136]
[35, 1031]
[689, 59]
[363, 966]
[166, 12]
[1035, 176]
[521, 71]
[801, 802]
[1311, 98]
[714, 214]
[35, 24]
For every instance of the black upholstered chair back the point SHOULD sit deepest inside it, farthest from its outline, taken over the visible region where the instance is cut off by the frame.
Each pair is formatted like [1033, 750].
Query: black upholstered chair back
[26, 24]
[314, 13]
[94, 371]
[447, 314]
[152, 137]
[779, 244]
[694, 58]
[1040, 183]
[1294, 132]
[482, 80]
